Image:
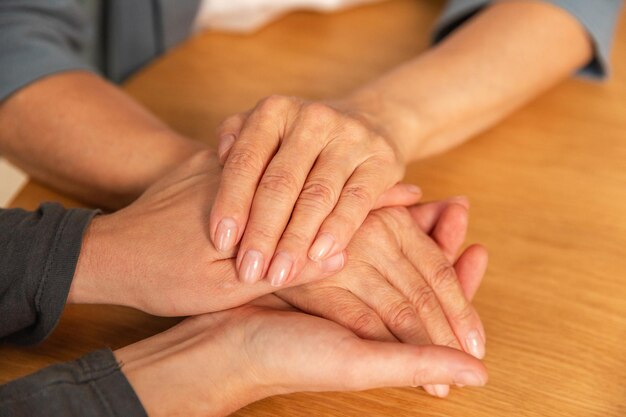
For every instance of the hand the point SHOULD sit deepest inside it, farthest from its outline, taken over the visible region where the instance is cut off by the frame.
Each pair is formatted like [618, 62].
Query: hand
[299, 180]
[398, 285]
[156, 255]
[211, 365]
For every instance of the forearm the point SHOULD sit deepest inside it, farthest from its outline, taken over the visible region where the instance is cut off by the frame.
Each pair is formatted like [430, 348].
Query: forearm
[501, 59]
[80, 134]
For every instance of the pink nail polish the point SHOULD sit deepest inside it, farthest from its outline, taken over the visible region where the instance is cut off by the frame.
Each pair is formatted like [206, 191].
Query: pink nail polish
[321, 247]
[226, 142]
[280, 269]
[334, 263]
[475, 344]
[226, 234]
[251, 266]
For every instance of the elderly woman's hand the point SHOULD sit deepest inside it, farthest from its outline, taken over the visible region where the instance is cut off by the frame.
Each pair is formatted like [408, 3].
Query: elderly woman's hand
[400, 284]
[213, 364]
[299, 179]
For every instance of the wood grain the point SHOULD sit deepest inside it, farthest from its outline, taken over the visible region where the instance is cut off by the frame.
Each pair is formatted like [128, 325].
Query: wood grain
[548, 192]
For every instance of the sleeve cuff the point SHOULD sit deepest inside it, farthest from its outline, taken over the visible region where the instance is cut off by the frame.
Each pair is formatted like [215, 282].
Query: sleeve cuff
[52, 260]
[598, 17]
[91, 386]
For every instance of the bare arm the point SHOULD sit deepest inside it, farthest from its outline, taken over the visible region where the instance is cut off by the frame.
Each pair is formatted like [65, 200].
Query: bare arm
[82, 135]
[498, 61]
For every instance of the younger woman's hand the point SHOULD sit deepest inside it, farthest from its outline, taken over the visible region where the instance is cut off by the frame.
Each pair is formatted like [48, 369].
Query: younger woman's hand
[211, 365]
[299, 179]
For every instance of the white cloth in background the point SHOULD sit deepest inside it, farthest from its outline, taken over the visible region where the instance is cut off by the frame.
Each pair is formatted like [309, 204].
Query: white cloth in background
[250, 15]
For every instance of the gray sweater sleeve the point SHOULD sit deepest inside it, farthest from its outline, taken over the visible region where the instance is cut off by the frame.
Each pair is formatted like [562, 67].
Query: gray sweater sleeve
[599, 17]
[38, 255]
[39, 38]
[92, 386]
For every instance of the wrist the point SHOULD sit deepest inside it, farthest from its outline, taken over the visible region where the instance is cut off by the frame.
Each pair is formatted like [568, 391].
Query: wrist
[392, 119]
[180, 372]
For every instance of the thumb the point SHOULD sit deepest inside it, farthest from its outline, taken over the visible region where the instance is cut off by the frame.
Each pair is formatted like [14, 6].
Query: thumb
[390, 364]
[399, 195]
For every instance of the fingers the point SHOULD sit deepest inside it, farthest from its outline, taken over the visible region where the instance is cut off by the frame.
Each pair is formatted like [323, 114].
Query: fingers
[316, 200]
[356, 201]
[426, 215]
[450, 230]
[227, 134]
[247, 160]
[273, 205]
[408, 281]
[470, 268]
[340, 306]
[397, 312]
[373, 364]
[442, 279]
[399, 195]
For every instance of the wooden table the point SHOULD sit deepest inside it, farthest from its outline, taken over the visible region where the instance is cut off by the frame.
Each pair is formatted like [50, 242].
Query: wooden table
[548, 188]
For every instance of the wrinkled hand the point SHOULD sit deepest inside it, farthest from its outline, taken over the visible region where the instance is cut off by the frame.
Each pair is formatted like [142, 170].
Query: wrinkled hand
[213, 364]
[299, 179]
[156, 255]
[401, 284]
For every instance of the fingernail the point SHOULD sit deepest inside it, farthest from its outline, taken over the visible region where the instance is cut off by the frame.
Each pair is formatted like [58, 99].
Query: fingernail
[414, 189]
[280, 269]
[469, 378]
[334, 263]
[251, 266]
[226, 142]
[441, 391]
[475, 344]
[321, 247]
[225, 234]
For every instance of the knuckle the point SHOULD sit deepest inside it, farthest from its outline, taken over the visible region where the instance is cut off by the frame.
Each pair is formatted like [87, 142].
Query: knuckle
[272, 104]
[243, 160]
[364, 324]
[319, 112]
[443, 276]
[318, 193]
[281, 181]
[424, 300]
[403, 316]
[359, 195]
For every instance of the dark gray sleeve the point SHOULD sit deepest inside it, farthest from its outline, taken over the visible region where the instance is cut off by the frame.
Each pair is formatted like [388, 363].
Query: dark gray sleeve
[92, 386]
[39, 38]
[38, 255]
[599, 17]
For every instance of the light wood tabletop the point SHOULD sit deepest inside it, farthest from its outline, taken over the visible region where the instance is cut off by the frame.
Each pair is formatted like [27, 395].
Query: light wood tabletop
[548, 193]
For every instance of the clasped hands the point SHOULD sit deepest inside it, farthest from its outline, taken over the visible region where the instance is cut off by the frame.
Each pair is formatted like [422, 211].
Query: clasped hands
[329, 315]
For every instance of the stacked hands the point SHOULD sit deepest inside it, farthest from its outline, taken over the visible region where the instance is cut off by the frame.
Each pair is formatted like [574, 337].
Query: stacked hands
[304, 263]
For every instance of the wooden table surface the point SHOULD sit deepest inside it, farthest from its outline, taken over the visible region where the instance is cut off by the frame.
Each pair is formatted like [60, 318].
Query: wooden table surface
[548, 192]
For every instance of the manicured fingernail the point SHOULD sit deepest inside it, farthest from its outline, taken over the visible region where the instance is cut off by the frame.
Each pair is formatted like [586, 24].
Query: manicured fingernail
[321, 247]
[280, 269]
[334, 263]
[441, 391]
[251, 266]
[468, 378]
[414, 189]
[225, 234]
[475, 344]
[226, 142]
